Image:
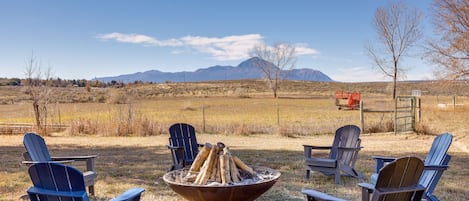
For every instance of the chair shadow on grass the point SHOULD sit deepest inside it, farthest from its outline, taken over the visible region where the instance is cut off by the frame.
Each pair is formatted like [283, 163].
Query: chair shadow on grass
[145, 166]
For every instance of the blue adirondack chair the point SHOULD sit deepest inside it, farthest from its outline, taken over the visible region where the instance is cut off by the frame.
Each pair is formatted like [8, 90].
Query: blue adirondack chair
[183, 145]
[58, 182]
[342, 155]
[36, 151]
[436, 163]
[396, 181]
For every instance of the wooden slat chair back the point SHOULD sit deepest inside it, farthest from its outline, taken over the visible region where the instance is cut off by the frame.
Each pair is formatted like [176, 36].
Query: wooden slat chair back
[36, 147]
[37, 151]
[349, 138]
[183, 145]
[436, 162]
[403, 174]
[57, 182]
[342, 155]
[398, 181]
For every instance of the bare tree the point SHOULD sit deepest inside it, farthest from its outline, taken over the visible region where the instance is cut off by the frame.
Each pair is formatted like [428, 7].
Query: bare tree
[38, 88]
[275, 62]
[398, 28]
[451, 50]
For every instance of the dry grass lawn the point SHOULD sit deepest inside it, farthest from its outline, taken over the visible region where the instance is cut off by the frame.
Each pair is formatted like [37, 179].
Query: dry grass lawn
[125, 162]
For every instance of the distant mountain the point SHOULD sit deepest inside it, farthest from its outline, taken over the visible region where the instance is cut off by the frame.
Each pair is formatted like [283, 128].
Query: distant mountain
[245, 70]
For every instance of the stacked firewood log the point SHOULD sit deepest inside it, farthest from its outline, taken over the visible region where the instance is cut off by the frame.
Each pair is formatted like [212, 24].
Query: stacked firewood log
[215, 163]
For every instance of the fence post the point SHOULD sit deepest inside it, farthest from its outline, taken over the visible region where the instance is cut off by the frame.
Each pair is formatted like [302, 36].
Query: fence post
[412, 111]
[395, 115]
[419, 109]
[454, 103]
[362, 117]
[278, 115]
[203, 118]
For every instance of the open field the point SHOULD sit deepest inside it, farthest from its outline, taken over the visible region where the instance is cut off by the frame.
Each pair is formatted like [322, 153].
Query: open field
[124, 162]
[130, 137]
[232, 115]
[242, 107]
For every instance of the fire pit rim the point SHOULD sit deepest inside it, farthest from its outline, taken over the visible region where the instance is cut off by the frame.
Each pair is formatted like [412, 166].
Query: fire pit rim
[276, 175]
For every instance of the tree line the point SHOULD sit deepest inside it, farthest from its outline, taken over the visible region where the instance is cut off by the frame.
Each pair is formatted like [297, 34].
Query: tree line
[58, 82]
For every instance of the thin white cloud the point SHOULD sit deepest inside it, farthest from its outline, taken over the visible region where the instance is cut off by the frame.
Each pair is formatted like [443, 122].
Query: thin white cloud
[139, 39]
[233, 47]
[302, 49]
[358, 74]
[226, 48]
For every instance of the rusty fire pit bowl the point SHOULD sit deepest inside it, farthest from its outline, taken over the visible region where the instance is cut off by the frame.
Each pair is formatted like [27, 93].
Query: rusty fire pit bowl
[234, 192]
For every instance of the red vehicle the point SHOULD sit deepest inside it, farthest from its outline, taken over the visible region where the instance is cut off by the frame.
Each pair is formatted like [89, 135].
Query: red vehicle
[347, 100]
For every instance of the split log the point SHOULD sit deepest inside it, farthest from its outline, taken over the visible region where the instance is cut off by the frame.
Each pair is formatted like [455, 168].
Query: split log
[216, 165]
[235, 176]
[218, 177]
[206, 169]
[200, 158]
[225, 168]
[234, 172]
[242, 165]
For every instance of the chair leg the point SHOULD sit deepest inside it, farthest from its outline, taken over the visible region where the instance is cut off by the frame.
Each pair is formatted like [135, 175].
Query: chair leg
[337, 176]
[91, 190]
[366, 194]
[307, 173]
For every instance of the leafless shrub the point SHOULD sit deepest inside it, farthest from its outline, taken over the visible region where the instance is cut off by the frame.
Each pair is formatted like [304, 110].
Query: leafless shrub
[285, 131]
[119, 97]
[83, 126]
[379, 127]
[149, 128]
[424, 129]
[124, 129]
[241, 93]
[242, 129]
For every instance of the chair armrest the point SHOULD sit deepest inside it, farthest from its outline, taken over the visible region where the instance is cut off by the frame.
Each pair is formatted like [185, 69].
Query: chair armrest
[317, 147]
[58, 161]
[308, 149]
[350, 148]
[367, 190]
[386, 158]
[367, 186]
[436, 167]
[89, 159]
[178, 155]
[319, 195]
[73, 194]
[381, 161]
[174, 147]
[76, 158]
[129, 195]
[419, 188]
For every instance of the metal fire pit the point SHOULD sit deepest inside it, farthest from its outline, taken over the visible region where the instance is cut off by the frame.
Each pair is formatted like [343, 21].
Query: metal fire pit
[232, 192]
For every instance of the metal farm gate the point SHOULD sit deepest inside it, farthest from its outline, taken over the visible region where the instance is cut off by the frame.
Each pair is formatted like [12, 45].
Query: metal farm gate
[407, 112]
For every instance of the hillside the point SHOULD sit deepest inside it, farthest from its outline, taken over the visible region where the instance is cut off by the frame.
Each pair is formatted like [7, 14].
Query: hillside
[245, 70]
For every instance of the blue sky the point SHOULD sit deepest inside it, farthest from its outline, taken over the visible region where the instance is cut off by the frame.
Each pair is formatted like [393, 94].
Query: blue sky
[95, 38]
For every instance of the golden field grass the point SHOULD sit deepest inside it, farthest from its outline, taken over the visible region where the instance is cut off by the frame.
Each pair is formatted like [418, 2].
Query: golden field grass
[232, 115]
[126, 162]
[215, 114]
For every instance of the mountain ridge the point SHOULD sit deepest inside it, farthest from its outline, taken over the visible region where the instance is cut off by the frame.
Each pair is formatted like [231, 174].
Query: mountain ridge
[245, 70]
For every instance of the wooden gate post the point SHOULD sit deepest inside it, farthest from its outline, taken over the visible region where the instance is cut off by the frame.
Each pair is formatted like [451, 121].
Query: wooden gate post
[362, 117]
